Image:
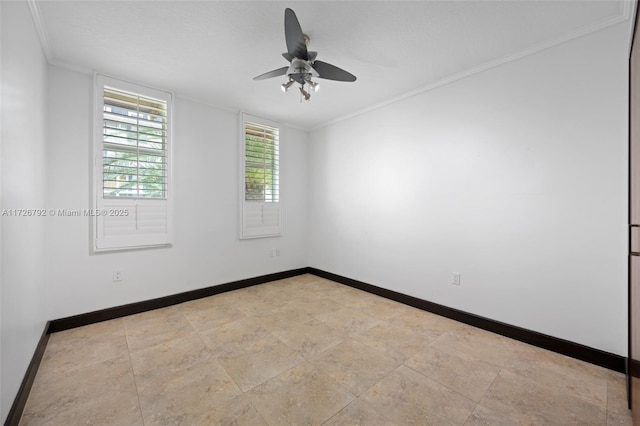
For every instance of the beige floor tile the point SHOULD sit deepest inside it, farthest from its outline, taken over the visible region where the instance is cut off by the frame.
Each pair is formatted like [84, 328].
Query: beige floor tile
[100, 393]
[261, 299]
[467, 376]
[616, 418]
[316, 285]
[482, 416]
[574, 377]
[314, 304]
[282, 289]
[419, 320]
[185, 396]
[479, 344]
[408, 397]
[619, 419]
[239, 411]
[348, 296]
[310, 337]
[169, 357]
[155, 327]
[282, 319]
[355, 366]
[348, 321]
[235, 336]
[300, 396]
[393, 339]
[78, 347]
[525, 401]
[208, 313]
[614, 374]
[266, 358]
[376, 306]
[325, 288]
[256, 306]
[358, 412]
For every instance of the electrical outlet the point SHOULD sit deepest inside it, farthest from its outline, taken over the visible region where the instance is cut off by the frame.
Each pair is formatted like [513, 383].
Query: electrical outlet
[117, 276]
[274, 252]
[455, 279]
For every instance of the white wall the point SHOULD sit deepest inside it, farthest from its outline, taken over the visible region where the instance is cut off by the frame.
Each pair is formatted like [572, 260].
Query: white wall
[206, 251]
[515, 177]
[22, 262]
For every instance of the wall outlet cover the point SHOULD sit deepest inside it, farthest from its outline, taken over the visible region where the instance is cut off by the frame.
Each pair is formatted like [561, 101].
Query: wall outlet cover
[455, 279]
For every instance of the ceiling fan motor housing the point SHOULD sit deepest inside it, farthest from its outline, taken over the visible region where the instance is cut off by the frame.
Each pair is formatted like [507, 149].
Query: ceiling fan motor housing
[301, 70]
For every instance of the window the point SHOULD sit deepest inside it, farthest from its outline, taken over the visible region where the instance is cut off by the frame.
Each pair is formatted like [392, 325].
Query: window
[134, 145]
[132, 165]
[260, 146]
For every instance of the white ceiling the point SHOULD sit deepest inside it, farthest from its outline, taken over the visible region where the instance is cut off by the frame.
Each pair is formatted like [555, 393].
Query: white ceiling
[210, 50]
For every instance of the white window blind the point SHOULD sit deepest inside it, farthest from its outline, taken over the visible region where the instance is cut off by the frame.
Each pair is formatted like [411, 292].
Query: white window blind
[260, 146]
[132, 165]
[134, 145]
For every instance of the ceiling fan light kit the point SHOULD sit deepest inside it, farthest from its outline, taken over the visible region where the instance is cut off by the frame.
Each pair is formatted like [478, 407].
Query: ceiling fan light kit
[303, 65]
[306, 95]
[285, 86]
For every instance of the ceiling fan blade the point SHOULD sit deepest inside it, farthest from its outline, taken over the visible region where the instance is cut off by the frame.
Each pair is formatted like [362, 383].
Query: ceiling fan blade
[331, 72]
[312, 56]
[293, 35]
[270, 74]
[287, 56]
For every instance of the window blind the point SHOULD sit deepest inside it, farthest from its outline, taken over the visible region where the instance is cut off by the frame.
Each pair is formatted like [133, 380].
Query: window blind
[134, 145]
[260, 142]
[262, 163]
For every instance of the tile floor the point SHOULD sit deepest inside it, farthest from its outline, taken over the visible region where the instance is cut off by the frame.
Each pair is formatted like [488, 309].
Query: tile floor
[306, 350]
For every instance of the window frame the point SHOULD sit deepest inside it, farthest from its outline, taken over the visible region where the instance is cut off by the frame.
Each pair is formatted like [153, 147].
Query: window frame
[248, 209]
[138, 209]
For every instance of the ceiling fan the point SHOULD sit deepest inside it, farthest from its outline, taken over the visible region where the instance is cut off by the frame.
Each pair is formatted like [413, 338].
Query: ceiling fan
[304, 65]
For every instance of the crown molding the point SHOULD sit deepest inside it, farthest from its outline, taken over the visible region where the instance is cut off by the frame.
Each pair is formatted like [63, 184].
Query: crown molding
[624, 13]
[627, 7]
[41, 28]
